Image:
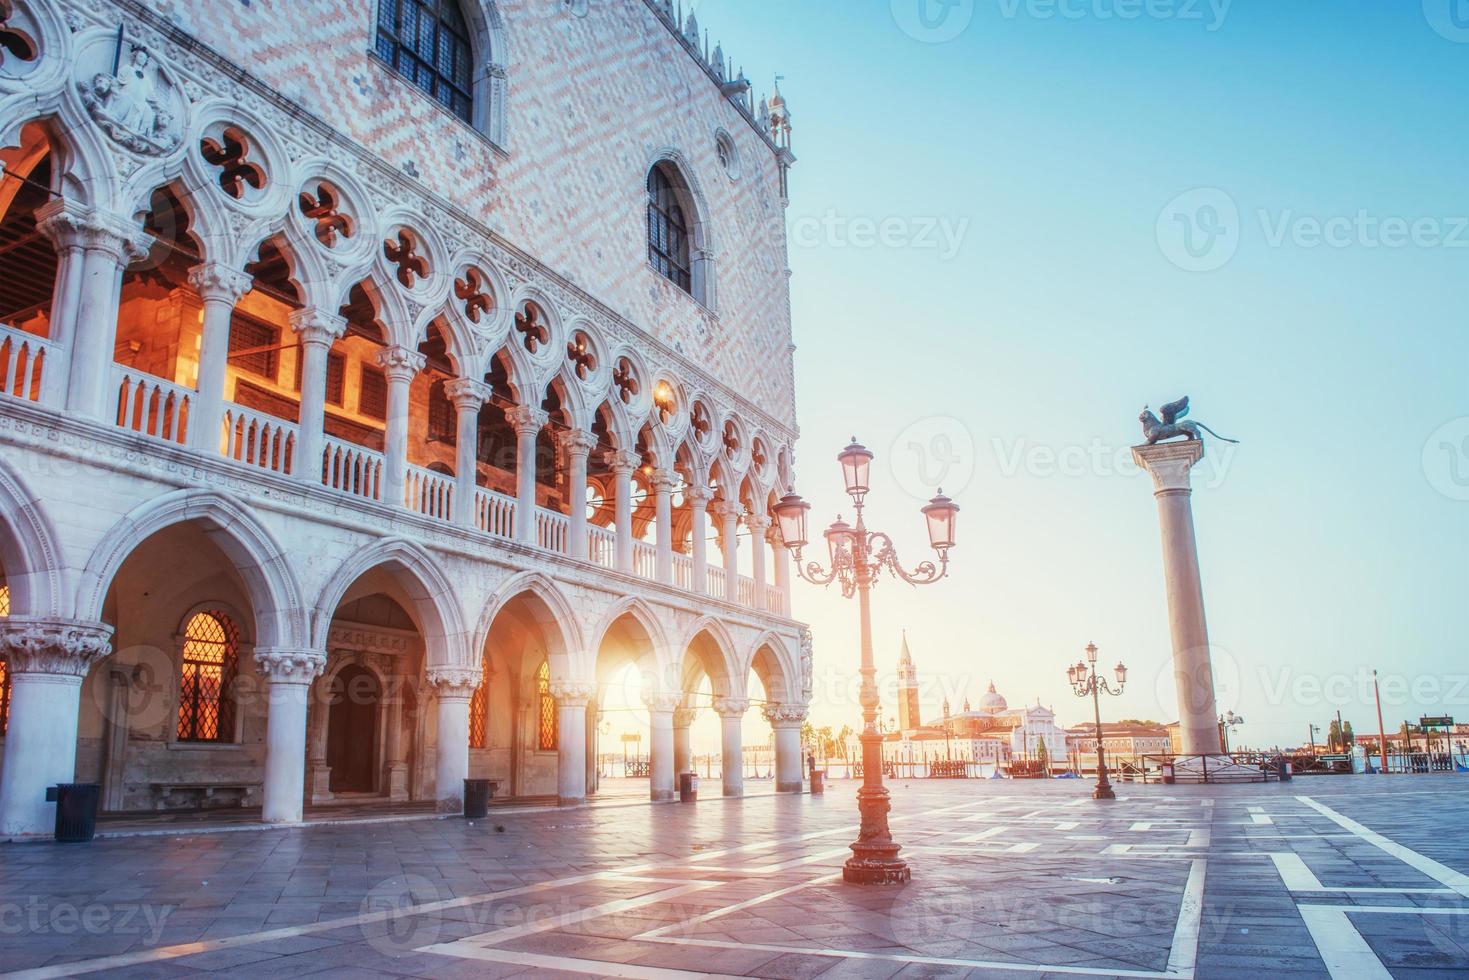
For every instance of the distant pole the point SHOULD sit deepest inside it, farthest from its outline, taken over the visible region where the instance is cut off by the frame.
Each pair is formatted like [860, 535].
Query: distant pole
[1381, 731]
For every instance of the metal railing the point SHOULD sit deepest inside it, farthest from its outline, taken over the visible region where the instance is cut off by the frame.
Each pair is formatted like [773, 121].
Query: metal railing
[259, 440]
[352, 469]
[151, 406]
[23, 359]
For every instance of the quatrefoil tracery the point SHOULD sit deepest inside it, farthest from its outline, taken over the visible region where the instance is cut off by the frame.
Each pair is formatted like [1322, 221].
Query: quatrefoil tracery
[324, 209]
[699, 419]
[471, 290]
[533, 332]
[14, 43]
[579, 353]
[625, 380]
[731, 439]
[230, 153]
[404, 254]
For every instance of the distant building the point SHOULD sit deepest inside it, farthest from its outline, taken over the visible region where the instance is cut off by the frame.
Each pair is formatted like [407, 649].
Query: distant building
[1121, 742]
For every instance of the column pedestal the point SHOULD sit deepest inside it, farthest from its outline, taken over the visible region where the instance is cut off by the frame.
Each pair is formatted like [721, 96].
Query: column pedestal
[731, 713]
[453, 686]
[1169, 464]
[47, 660]
[289, 674]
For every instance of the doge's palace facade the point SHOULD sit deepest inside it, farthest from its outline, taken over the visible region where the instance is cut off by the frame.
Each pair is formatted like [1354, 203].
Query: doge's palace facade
[378, 380]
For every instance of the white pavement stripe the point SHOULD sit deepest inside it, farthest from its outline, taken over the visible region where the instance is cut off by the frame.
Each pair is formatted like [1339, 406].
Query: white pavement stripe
[739, 906]
[1141, 825]
[1262, 818]
[1438, 872]
[595, 968]
[1345, 953]
[1299, 878]
[1184, 952]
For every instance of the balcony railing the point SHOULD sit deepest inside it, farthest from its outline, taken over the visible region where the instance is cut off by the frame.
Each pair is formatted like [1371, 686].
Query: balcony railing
[352, 469]
[259, 440]
[23, 359]
[161, 409]
[151, 406]
[430, 494]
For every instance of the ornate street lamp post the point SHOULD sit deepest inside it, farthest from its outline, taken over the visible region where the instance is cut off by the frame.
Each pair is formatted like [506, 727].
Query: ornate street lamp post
[857, 557]
[1227, 722]
[1086, 681]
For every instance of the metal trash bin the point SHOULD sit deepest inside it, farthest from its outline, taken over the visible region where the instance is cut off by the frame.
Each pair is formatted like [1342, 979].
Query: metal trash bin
[76, 810]
[688, 787]
[477, 798]
[1168, 773]
[818, 783]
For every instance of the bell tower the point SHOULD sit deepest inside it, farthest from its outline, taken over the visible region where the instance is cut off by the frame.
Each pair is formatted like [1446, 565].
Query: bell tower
[908, 719]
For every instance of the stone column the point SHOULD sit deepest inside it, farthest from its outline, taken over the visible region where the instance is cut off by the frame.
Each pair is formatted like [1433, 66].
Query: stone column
[578, 445]
[759, 526]
[683, 750]
[729, 513]
[699, 497]
[220, 288]
[660, 744]
[63, 221]
[47, 660]
[1169, 464]
[468, 396]
[622, 465]
[401, 365]
[316, 330]
[782, 571]
[663, 515]
[786, 721]
[110, 244]
[527, 423]
[731, 712]
[453, 686]
[289, 674]
[572, 699]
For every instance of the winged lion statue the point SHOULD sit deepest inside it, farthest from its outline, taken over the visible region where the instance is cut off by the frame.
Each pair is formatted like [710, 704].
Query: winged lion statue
[1172, 424]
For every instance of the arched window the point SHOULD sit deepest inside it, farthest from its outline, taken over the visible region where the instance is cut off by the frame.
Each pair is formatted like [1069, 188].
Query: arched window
[4, 667]
[428, 42]
[668, 231]
[479, 710]
[211, 657]
[546, 734]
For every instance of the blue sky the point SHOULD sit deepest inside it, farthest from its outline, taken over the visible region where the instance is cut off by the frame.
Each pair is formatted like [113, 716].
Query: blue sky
[1331, 539]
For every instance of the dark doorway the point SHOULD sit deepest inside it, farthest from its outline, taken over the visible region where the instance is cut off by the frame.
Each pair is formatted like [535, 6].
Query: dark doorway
[351, 733]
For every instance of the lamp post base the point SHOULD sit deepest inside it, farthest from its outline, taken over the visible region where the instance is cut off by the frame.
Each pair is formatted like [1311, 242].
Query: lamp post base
[874, 859]
[1103, 792]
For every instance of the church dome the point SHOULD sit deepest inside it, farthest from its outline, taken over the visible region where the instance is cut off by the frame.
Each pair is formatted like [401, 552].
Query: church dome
[993, 702]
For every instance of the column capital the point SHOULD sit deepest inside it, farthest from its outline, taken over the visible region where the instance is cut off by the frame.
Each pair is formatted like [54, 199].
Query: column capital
[785, 715]
[315, 326]
[572, 694]
[67, 647]
[728, 509]
[286, 665]
[660, 703]
[621, 461]
[400, 363]
[215, 281]
[69, 225]
[731, 707]
[467, 393]
[577, 442]
[526, 420]
[684, 717]
[698, 495]
[758, 524]
[1168, 463]
[663, 481]
[451, 683]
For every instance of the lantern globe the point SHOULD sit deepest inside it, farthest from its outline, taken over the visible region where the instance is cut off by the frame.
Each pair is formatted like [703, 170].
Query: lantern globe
[856, 462]
[1091, 652]
[941, 513]
[839, 536]
[790, 515]
[1121, 672]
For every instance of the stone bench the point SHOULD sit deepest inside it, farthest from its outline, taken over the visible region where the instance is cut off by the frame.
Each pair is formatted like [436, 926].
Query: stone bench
[206, 795]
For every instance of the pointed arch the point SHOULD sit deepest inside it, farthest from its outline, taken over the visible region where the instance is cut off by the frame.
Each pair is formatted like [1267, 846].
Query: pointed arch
[280, 614]
[771, 659]
[556, 616]
[713, 636]
[441, 620]
[29, 551]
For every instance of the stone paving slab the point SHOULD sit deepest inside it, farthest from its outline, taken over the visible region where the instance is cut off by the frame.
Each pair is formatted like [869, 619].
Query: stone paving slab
[1341, 877]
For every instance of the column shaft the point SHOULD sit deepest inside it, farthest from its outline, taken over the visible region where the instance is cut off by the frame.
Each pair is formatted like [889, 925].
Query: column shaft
[316, 330]
[663, 515]
[454, 686]
[289, 674]
[89, 390]
[527, 423]
[220, 288]
[622, 465]
[578, 446]
[758, 526]
[660, 752]
[571, 748]
[699, 541]
[732, 746]
[788, 774]
[401, 366]
[468, 397]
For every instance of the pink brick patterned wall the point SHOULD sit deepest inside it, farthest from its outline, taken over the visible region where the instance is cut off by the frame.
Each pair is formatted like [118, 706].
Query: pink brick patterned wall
[590, 101]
